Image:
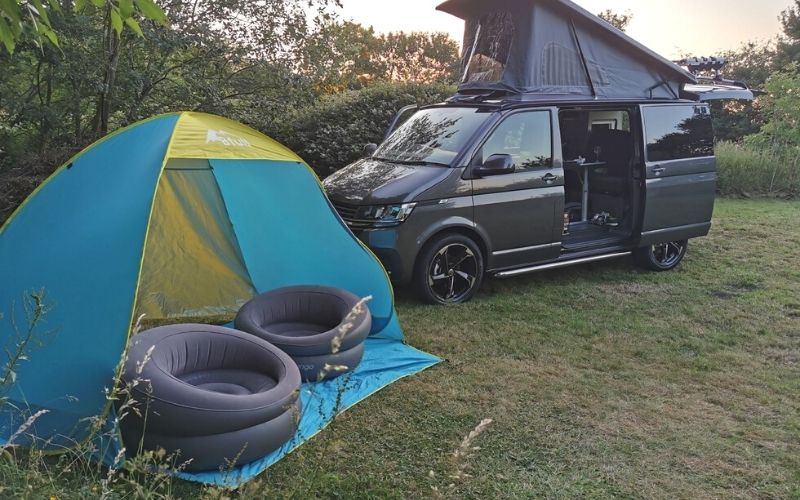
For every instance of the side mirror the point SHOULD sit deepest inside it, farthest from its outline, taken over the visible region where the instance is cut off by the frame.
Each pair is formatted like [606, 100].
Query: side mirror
[369, 149]
[495, 165]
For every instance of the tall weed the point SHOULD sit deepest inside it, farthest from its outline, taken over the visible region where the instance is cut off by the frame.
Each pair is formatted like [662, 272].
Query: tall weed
[745, 170]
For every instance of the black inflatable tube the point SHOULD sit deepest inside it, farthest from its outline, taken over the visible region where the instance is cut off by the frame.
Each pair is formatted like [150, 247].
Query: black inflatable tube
[311, 309]
[217, 451]
[175, 407]
[311, 366]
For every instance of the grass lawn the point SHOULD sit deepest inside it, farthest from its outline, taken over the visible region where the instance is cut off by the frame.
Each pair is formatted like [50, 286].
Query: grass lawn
[601, 381]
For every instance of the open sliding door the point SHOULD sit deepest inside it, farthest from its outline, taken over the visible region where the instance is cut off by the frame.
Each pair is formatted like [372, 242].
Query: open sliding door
[680, 173]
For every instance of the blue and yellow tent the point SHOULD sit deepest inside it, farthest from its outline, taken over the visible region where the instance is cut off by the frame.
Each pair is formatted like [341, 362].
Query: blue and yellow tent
[181, 217]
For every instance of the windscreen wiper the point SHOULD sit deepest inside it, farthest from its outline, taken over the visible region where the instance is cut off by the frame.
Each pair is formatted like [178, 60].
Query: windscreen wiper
[419, 163]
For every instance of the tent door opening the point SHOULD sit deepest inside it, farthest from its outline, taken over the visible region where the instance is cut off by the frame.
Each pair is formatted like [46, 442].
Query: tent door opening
[600, 185]
[193, 266]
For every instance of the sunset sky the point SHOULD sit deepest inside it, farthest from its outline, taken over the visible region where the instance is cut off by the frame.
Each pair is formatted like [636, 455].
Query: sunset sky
[671, 27]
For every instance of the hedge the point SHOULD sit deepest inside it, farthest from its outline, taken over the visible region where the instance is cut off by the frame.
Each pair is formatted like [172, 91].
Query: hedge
[331, 133]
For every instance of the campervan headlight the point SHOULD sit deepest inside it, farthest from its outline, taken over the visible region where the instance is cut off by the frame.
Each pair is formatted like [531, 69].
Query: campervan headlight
[386, 215]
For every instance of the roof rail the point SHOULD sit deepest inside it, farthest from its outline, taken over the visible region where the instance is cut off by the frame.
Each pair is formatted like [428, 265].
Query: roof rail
[478, 97]
[700, 67]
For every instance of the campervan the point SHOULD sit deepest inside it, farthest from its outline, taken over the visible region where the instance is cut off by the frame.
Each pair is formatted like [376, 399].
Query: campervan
[567, 143]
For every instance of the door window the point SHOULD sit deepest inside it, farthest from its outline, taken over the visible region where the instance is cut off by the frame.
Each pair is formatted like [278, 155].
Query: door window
[678, 132]
[527, 137]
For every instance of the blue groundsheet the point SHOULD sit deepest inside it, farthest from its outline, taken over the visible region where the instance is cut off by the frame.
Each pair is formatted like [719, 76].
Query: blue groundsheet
[385, 361]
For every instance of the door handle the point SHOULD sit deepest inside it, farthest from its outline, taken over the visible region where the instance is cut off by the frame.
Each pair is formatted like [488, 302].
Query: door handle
[549, 178]
[657, 171]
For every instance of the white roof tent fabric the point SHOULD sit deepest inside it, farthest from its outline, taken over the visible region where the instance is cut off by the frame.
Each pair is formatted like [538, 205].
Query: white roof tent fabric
[542, 48]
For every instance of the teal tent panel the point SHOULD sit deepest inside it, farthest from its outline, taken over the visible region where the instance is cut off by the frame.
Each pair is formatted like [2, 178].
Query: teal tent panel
[385, 362]
[80, 238]
[290, 234]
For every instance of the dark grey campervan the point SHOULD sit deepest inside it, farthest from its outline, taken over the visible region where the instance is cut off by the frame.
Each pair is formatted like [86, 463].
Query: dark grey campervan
[568, 142]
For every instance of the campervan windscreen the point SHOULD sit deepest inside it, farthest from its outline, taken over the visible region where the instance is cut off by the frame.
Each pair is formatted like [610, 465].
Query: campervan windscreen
[433, 135]
[492, 46]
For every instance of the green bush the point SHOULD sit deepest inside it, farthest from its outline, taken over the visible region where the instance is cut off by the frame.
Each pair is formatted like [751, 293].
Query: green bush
[745, 170]
[781, 108]
[331, 133]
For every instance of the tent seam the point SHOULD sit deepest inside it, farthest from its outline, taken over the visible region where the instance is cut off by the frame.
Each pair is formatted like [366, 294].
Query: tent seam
[239, 252]
[107, 408]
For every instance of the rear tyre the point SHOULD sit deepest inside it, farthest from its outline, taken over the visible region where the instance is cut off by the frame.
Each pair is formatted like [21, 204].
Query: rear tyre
[449, 270]
[662, 256]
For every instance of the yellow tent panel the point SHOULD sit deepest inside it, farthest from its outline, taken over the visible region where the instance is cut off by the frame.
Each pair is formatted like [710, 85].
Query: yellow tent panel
[202, 136]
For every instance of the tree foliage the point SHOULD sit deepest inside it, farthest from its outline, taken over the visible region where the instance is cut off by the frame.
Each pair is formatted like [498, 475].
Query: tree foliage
[346, 55]
[781, 108]
[231, 56]
[752, 63]
[789, 43]
[32, 19]
[617, 20]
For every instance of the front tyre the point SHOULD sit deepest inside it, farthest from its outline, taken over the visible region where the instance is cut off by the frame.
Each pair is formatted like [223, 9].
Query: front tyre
[449, 270]
[662, 256]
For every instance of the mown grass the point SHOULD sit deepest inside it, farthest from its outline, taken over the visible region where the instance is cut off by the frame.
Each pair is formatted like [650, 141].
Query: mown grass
[602, 381]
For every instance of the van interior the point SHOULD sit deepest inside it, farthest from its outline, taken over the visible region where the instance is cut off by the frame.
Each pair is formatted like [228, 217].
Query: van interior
[600, 157]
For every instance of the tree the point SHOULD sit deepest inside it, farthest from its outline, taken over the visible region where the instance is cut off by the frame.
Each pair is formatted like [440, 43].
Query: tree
[619, 21]
[346, 55]
[31, 19]
[339, 56]
[419, 57]
[781, 104]
[234, 57]
[789, 43]
[752, 64]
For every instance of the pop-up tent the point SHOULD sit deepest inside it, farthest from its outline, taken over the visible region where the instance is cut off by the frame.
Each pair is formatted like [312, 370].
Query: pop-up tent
[554, 47]
[183, 217]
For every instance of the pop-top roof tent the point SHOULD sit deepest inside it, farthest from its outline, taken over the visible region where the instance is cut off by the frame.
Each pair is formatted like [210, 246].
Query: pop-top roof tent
[547, 48]
[183, 216]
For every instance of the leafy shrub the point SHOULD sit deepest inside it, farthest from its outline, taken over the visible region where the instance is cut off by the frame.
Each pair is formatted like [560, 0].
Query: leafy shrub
[751, 171]
[781, 107]
[331, 133]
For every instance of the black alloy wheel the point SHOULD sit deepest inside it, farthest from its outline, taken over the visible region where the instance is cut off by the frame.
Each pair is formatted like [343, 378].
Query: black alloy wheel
[662, 256]
[449, 270]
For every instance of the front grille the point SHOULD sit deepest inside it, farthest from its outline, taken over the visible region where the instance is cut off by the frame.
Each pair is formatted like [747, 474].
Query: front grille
[346, 211]
[349, 214]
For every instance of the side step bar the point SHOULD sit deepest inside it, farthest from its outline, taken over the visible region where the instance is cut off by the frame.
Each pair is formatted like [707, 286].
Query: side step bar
[559, 265]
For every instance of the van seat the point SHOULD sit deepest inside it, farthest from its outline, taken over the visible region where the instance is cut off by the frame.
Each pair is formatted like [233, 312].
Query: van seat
[616, 149]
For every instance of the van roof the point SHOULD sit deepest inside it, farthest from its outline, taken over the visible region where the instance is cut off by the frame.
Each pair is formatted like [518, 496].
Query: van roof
[616, 64]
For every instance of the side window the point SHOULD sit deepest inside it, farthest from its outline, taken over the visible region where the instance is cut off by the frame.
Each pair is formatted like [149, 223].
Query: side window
[678, 132]
[491, 49]
[527, 137]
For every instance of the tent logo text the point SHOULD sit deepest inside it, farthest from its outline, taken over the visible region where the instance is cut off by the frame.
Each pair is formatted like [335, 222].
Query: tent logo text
[226, 139]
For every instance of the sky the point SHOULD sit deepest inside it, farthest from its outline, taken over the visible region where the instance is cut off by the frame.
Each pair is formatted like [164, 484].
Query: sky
[671, 28]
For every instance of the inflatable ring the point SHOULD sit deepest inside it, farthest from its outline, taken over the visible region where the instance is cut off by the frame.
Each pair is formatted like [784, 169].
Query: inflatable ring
[303, 320]
[207, 453]
[312, 366]
[193, 381]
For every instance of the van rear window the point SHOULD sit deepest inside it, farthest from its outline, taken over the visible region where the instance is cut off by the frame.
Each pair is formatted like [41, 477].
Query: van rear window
[678, 132]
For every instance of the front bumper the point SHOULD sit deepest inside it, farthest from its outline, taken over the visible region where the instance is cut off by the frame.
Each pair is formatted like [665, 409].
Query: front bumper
[385, 244]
